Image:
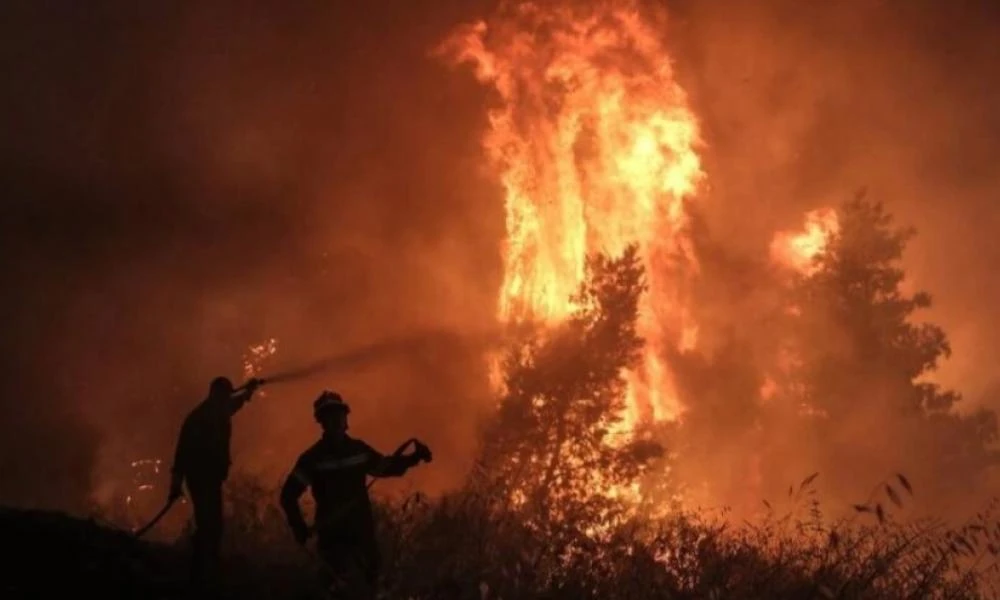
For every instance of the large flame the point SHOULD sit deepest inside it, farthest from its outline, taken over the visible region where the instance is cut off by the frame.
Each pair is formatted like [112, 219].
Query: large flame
[595, 145]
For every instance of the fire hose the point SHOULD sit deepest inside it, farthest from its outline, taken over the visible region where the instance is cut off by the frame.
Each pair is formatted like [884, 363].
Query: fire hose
[152, 523]
[316, 527]
[138, 533]
[336, 517]
[344, 359]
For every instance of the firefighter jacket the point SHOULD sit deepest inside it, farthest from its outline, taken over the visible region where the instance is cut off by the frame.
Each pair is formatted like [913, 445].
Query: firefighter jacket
[335, 470]
[202, 453]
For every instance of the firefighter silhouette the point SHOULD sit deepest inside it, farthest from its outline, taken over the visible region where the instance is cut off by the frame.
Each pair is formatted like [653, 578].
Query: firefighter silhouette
[335, 469]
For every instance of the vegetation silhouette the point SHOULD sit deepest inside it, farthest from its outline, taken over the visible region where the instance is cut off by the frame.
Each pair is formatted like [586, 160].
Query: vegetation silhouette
[547, 512]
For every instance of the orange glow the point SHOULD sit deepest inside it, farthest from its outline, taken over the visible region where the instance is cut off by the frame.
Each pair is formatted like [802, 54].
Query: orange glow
[595, 146]
[797, 250]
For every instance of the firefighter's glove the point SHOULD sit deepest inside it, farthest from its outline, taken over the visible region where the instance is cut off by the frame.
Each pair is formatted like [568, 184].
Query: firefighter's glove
[421, 452]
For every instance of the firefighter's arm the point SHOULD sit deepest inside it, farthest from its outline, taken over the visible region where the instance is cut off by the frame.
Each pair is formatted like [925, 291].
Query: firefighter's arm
[397, 464]
[243, 396]
[291, 491]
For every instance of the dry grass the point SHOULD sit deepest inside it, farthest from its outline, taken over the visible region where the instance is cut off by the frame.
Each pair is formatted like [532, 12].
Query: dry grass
[462, 546]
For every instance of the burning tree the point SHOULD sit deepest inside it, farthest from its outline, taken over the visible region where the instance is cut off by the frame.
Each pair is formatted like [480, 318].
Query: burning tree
[858, 381]
[552, 447]
[597, 148]
[595, 145]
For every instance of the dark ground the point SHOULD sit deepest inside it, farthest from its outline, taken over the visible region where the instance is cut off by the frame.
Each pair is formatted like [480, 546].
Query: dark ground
[48, 555]
[53, 555]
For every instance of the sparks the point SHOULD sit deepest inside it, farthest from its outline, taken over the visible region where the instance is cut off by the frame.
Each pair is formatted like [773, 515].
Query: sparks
[256, 357]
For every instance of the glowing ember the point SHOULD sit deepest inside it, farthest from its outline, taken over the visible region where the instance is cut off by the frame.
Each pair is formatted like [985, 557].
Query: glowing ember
[595, 146]
[256, 357]
[145, 472]
[797, 250]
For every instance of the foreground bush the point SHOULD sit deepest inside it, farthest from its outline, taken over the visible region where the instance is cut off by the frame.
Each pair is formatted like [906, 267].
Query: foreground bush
[462, 546]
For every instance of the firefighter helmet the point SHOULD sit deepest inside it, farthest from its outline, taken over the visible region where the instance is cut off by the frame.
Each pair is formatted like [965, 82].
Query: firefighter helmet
[329, 401]
[220, 387]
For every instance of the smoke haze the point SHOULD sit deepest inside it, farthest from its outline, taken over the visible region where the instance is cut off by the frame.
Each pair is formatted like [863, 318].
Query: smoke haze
[182, 182]
[803, 104]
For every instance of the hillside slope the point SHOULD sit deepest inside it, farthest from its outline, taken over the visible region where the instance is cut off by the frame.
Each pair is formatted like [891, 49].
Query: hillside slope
[54, 555]
[48, 554]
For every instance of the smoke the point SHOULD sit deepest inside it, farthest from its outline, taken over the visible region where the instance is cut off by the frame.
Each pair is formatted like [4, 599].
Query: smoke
[805, 103]
[420, 345]
[183, 182]
[802, 104]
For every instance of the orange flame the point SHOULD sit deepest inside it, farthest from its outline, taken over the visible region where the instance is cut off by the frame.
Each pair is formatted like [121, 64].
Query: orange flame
[595, 146]
[798, 250]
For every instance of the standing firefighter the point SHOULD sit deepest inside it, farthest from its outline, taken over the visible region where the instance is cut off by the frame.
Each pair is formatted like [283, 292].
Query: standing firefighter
[202, 462]
[335, 468]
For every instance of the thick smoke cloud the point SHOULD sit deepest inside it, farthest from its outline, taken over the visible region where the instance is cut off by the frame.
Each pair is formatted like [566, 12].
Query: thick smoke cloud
[803, 103]
[183, 181]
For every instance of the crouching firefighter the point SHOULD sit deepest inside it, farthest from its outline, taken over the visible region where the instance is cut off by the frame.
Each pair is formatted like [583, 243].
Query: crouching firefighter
[202, 462]
[335, 469]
